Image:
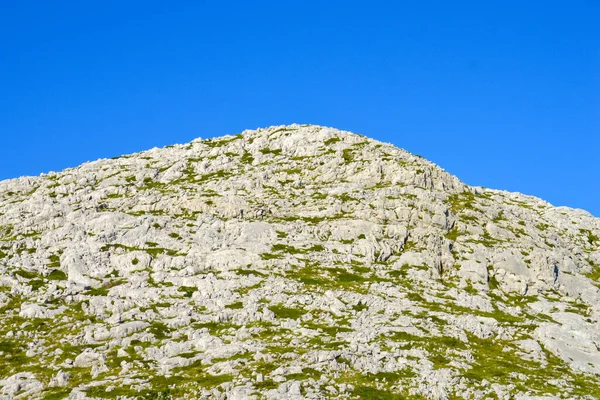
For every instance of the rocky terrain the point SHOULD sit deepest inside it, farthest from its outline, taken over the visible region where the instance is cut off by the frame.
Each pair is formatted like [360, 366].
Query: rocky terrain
[287, 263]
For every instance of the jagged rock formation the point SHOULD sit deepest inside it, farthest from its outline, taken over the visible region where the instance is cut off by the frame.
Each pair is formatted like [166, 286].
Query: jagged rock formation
[291, 262]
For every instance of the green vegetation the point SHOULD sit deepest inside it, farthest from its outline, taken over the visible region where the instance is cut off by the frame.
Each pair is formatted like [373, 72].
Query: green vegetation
[486, 239]
[328, 330]
[592, 239]
[215, 328]
[187, 291]
[500, 217]
[150, 184]
[291, 171]
[54, 261]
[57, 275]
[371, 393]
[595, 273]
[380, 386]
[159, 330]
[454, 233]
[345, 197]
[331, 141]
[235, 306]
[462, 201]
[278, 249]
[249, 272]
[275, 152]
[323, 278]
[26, 274]
[281, 311]
[218, 142]
[247, 158]
[153, 251]
[103, 290]
[348, 155]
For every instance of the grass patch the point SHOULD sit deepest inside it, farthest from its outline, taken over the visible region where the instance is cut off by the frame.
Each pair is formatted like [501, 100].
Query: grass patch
[275, 152]
[54, 261]
[454, 234]
[187, 291]
[159, 330]
[238, 305]
[348, 155]
[331, 141]
[281, 311]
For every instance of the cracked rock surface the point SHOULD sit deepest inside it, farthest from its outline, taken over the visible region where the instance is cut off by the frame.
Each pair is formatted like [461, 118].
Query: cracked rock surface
[293, 262]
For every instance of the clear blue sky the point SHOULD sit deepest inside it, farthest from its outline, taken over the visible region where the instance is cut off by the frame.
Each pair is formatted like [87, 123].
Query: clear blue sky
[503, 94]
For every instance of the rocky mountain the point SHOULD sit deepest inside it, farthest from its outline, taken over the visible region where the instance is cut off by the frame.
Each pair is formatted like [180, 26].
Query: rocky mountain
[292, 262]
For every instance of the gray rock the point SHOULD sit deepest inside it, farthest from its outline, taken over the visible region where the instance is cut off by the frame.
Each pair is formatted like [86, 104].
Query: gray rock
[292, 262]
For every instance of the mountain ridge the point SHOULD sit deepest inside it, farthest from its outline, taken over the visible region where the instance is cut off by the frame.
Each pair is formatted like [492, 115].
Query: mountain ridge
[308, 262]
[278, 127]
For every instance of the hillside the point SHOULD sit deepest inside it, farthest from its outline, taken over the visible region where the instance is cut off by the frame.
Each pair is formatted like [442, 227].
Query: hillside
[292, 262]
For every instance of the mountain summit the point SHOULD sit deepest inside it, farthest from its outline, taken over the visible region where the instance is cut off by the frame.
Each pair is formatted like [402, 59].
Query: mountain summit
[286, 263]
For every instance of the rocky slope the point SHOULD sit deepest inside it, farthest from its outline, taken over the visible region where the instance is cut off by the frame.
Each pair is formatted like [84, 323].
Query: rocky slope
[291, 262]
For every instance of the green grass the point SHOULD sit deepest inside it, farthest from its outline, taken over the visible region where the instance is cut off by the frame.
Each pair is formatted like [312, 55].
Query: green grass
[270, 256]
[57, 393]
[215, 327]
[321, 343]
[275, 152]
[57, 275]
[283, 248]
[14, 357]
[187, 291]
[454, 234]
[151, 250]
[595, 273]
[306, 373]
[327, 329]
[159, 330]
[235, 306]
[26, 274]
[218, 142]
[150, 184]
[371, 393]
[461, 201]
[590, 236]
[348, 155]
[247, 158]
[103, 290]
[331, 141]
[486, 239]
[281, 311]
[249, 272]
[500, 217]
[291, 171]
[36, 284]
[54, 261]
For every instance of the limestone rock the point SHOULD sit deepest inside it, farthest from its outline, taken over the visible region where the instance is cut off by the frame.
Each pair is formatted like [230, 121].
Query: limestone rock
[292, 262]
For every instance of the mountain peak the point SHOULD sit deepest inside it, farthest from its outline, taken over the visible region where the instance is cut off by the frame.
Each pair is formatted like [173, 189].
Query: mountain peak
[292, 261]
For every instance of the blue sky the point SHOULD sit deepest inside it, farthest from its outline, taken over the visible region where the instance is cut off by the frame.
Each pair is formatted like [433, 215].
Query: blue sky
[503, 94]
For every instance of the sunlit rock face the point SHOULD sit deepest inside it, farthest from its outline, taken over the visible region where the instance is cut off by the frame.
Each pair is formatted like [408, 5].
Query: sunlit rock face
[286, 263]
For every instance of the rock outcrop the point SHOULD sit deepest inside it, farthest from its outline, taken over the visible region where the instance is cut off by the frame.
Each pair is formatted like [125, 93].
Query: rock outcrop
[287, 263]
